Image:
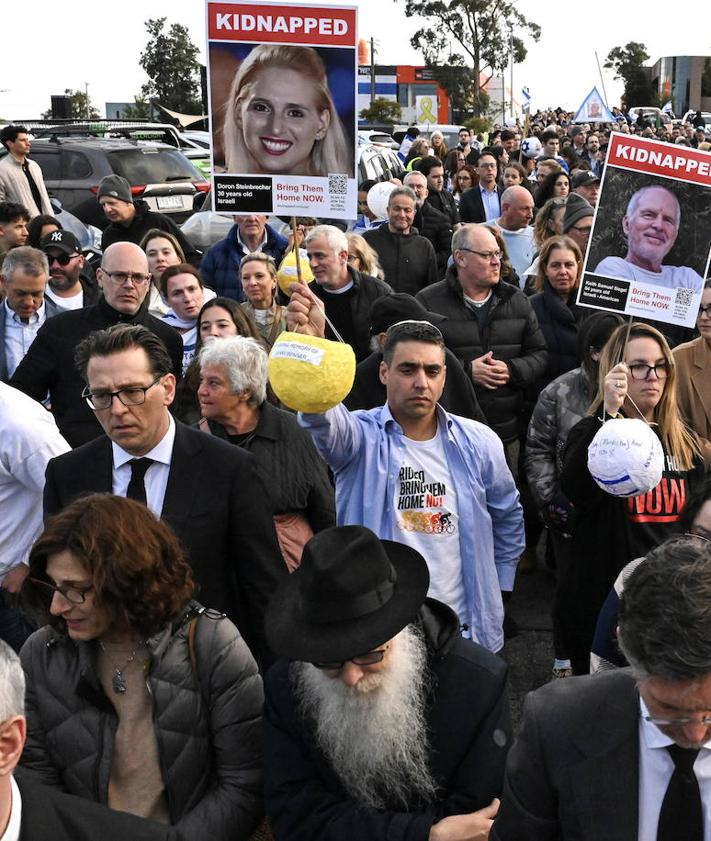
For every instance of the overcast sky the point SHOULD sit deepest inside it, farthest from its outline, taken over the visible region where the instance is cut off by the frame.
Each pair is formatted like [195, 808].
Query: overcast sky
[66, 44]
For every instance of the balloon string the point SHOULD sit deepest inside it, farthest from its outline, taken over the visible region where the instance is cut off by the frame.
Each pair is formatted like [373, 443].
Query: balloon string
[330, 324]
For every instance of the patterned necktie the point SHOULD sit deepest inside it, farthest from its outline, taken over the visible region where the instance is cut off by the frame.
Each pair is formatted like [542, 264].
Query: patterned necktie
[681, 817]
[136, 487]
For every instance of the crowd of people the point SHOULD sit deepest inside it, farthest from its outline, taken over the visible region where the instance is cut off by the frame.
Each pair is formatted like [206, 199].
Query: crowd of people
[221, 618]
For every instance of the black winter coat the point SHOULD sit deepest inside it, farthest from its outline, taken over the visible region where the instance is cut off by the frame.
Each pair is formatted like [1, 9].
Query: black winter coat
[458, 396]
[207, 724]
[445, 203]
[560, 324]
[48, 366]
[436, 227]
[511, 332]
[144, 220]
[409, 262]
[366, 289]
[304, 797]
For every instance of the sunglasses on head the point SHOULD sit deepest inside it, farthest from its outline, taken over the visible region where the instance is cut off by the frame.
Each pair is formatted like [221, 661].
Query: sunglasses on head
[62, 259]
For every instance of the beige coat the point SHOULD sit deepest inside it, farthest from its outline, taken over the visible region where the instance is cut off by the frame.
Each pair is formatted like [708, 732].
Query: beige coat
[693, 366]
[14, 185]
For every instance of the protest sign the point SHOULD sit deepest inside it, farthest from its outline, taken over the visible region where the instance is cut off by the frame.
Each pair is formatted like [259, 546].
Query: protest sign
[282, 83]
[593, 110]
[648, 251]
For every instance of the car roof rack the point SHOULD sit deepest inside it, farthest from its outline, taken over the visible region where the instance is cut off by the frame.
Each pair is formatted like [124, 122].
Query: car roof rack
[132, 130]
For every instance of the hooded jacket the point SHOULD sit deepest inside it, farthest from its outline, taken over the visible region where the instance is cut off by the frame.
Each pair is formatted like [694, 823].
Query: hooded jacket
[304, 797]
[207, 725]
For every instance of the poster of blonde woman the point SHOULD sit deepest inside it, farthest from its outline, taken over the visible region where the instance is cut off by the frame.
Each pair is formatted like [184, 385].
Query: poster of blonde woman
[282, 83]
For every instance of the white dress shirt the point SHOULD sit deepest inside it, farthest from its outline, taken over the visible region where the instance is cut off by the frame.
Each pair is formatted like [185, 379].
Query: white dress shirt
[20, 335]
[12, 831]
[156, 478]
[29, 438]
[655, 769]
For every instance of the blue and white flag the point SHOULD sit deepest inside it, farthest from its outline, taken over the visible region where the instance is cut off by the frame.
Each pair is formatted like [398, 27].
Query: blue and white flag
[526, 98]
[667, 109]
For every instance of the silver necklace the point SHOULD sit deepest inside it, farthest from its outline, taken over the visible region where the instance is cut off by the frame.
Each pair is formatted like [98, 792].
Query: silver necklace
[118, 682]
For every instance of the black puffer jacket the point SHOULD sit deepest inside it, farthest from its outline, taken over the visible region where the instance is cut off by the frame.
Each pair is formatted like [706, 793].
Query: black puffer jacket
[559, 322]
[207, 725]
[409, 261]
[366, 289]
[144, 221]
[511, 332]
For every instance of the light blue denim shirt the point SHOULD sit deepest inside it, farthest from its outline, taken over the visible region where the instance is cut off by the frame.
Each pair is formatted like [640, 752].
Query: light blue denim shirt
[365, 450]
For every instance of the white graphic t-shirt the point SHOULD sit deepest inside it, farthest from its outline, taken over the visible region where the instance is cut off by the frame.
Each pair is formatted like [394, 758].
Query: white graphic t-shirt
[426, 517]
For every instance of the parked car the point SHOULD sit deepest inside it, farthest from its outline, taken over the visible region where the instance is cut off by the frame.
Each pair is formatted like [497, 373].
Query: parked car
[654, 116]
[73, 166]
[205, 227]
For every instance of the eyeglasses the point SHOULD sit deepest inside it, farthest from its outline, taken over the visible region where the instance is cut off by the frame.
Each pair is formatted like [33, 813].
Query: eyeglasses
[677, 722]
[133, 395]
[705, 310]
[121, 278]
[486, 255]
[368, 659]
[640, 371]
[62, 259]
[75, 595]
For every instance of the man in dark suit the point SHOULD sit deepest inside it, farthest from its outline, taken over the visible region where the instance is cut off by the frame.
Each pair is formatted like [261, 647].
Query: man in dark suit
[26, 306]
[482, 203]
[33, 812]
[49, 363]
[625, 754]
[206, 489]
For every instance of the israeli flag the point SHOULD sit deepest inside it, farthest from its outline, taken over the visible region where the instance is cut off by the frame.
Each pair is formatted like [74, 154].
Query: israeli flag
[667, 109]
[526, 94]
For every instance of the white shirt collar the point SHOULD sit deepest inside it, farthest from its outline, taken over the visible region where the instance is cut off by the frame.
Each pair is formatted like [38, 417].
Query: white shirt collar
[12, 832]
[34, 318]
[653, 736]
[252, 250]
[162, 451]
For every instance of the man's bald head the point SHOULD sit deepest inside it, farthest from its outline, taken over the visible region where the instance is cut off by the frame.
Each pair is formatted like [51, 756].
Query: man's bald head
[124, 277]
[477, 258]
[516, 208]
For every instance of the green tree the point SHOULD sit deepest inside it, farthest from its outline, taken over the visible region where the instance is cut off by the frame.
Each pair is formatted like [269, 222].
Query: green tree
[474, 36]
[170, 60]
[628, 65]
[140, 110]
[382, 110]
[79, 106]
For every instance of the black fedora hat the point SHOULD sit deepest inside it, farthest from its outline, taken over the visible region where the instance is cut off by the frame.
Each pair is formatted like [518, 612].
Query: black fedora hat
[351, 593]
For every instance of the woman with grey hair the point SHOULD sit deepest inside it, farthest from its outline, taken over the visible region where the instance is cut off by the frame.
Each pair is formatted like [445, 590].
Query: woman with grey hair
[232, 395]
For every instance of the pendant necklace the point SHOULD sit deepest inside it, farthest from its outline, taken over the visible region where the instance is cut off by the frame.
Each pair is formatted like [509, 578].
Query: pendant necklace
[118, 682]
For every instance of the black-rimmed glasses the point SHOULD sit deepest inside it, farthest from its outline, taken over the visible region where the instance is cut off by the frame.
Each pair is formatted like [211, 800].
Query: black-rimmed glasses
[133, 395]
[75, 595]
[370, 658]
[137, 278]
[486, 255]
[640, 371]
[62, 259]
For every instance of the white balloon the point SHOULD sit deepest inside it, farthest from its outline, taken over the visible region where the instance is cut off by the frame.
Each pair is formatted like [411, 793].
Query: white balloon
[625, 458]
[378, 196]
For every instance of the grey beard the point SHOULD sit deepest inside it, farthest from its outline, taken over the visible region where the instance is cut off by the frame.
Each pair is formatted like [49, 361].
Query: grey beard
[374, 735]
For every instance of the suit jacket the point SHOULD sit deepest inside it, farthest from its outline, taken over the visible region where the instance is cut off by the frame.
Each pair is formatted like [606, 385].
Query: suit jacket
[573, 772]
[217, 506]
[693, 388]
[471, 206]
[50, 309]
[51, 815]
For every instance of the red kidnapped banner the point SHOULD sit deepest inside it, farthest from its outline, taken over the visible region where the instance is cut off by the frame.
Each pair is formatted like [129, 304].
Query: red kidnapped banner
[657, 158]
[335, 27]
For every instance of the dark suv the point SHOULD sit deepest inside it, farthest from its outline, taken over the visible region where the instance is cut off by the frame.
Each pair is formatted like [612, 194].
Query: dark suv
[159, 174]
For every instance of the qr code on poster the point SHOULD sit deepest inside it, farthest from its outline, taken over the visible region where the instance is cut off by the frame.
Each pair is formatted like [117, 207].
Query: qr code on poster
[338, 184]
[684, 297]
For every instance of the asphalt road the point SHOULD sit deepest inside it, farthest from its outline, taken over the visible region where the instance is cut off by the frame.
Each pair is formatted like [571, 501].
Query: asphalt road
[530, 653]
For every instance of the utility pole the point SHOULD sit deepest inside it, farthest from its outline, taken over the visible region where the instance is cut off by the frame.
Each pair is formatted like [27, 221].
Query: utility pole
[372, 71]
[86, 94]
[511, 53]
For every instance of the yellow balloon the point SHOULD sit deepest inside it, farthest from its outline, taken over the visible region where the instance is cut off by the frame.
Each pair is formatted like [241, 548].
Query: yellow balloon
[309, 374]
[287, 272]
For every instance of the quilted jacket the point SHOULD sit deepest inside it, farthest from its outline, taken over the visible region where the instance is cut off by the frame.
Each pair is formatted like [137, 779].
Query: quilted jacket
[208, 725]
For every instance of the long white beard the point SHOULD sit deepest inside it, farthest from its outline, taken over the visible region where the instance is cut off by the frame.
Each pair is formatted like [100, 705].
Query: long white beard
[374, 734]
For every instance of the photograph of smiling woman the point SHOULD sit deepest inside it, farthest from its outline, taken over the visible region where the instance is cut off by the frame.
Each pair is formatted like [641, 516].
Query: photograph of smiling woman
[321, 145]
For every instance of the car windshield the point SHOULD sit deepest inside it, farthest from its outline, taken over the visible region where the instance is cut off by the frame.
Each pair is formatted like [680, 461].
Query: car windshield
[152, 166]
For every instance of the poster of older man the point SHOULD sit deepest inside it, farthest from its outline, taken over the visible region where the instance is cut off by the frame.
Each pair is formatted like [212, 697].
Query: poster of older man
[649, 250]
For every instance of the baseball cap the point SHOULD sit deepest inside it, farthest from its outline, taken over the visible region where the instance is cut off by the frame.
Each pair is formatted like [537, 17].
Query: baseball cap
[582, 179]
[63, 240]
